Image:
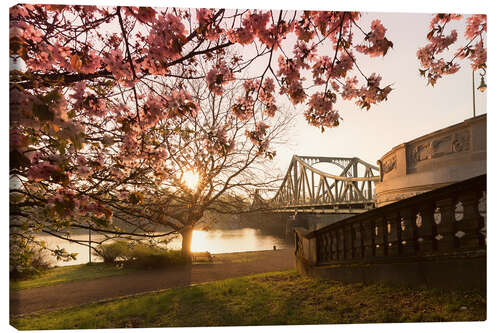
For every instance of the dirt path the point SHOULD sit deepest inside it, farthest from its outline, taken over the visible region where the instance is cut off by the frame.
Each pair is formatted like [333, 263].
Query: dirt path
[82, 292]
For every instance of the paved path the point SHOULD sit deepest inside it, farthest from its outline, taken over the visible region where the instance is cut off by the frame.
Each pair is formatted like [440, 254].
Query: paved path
[82, 292]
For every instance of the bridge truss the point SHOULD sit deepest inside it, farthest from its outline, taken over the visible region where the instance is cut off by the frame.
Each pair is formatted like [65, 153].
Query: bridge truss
[308, 189]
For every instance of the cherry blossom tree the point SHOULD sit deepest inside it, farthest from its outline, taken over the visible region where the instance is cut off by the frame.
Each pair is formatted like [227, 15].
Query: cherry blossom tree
[98, 97]
[107, 112]
[215, 160]
[440, 40]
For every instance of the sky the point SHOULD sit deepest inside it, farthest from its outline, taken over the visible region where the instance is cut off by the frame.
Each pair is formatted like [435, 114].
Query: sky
[412, 109]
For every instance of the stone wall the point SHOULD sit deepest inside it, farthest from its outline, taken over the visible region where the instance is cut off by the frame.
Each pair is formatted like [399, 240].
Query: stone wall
[450, 273]
[436, 239]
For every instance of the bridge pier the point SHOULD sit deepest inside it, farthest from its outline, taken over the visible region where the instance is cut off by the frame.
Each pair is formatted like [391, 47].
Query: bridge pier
[284, 223]
[295, 221]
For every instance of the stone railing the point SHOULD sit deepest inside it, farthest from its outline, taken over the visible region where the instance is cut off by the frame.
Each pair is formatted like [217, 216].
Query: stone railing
[436, 225]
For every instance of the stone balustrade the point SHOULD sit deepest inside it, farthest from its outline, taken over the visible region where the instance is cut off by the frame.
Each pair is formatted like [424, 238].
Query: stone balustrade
[434, 227]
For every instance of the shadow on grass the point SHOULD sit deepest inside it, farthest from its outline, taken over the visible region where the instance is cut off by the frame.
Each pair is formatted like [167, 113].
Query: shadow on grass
[198, 308]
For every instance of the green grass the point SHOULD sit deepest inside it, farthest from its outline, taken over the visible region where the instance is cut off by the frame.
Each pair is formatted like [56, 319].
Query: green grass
[267, 299]
[96, 270]
[69, 273]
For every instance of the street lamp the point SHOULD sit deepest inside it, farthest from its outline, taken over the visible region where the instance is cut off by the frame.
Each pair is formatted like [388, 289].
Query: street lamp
[481, 88]
[482, 85]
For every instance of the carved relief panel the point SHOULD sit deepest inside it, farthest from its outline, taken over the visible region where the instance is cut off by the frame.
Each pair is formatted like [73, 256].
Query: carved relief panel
[389, 164]
[438, 146]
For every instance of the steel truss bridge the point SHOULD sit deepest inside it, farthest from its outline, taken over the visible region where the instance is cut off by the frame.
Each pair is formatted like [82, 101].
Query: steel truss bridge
[306, 189]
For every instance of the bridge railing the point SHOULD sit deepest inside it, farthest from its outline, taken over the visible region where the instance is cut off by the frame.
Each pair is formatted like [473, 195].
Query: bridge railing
[445, 222]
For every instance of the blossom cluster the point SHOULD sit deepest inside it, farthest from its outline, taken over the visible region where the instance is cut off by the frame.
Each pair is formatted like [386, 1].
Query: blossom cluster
[366, 95]
[258, 137]
[208, 27]
[166, 38]
[255, 25]
[219, 76]
[66, 202]
[217, 142]
[378, 44]
[291, 80]
[320, 111]
[434, 67]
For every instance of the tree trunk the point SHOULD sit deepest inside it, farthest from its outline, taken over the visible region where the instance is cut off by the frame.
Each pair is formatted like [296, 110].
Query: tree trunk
[187, 237]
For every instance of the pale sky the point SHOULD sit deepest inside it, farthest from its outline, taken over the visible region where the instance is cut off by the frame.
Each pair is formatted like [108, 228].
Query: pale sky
[412, 109]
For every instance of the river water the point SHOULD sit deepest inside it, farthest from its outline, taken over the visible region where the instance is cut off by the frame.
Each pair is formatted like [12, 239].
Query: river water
[213, 241]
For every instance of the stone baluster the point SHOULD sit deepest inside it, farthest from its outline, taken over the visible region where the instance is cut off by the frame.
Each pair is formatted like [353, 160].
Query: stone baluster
[341, 246]
[408, 232]
[445, 226]
[368, 232]
[393, 234]
[334, 244]
[323, 248]
[328, 244]
[471, 223]
[380, 237]
[357, 249]
[426, 230]
[348, 242]
[320, 246]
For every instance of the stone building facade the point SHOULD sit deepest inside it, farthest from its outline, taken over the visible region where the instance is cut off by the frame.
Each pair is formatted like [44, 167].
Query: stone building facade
[437, 159]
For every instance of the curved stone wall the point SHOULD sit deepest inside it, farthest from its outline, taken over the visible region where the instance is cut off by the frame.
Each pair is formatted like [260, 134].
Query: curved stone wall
[436, 159]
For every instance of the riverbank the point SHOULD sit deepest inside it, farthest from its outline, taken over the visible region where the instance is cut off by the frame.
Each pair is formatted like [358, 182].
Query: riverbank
[215, 241]
[70, 273]
[267, 299]
[75, 292]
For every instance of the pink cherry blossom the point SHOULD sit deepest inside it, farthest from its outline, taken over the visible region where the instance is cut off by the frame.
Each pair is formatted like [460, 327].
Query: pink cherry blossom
[219, 76]
[378, 44]
[42, 171]
[320, 111]
[257, 137]
[434, 66]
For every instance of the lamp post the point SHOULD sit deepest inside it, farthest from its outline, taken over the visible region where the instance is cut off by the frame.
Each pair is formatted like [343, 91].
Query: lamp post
[473, 96]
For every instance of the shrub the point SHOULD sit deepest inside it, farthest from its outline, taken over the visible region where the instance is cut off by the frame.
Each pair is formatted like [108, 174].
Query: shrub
[112, 252]
[140, 254]
[150, 256]
[27, 259]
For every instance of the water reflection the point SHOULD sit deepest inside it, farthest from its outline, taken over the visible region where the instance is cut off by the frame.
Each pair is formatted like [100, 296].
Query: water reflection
[240, 240]
[70, 247]
[214, 241]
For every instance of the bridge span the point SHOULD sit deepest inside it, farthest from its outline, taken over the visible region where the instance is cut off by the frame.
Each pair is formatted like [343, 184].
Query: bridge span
[306, 189]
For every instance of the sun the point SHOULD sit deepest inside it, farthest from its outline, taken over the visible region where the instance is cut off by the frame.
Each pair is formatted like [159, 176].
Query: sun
[191, 179]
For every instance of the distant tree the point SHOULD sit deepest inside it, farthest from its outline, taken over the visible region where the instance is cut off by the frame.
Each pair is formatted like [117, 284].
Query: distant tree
[215, 160]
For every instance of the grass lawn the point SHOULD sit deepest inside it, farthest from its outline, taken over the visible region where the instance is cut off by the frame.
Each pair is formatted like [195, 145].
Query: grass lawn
[69, 273]
[96, 270]
[267, 299]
